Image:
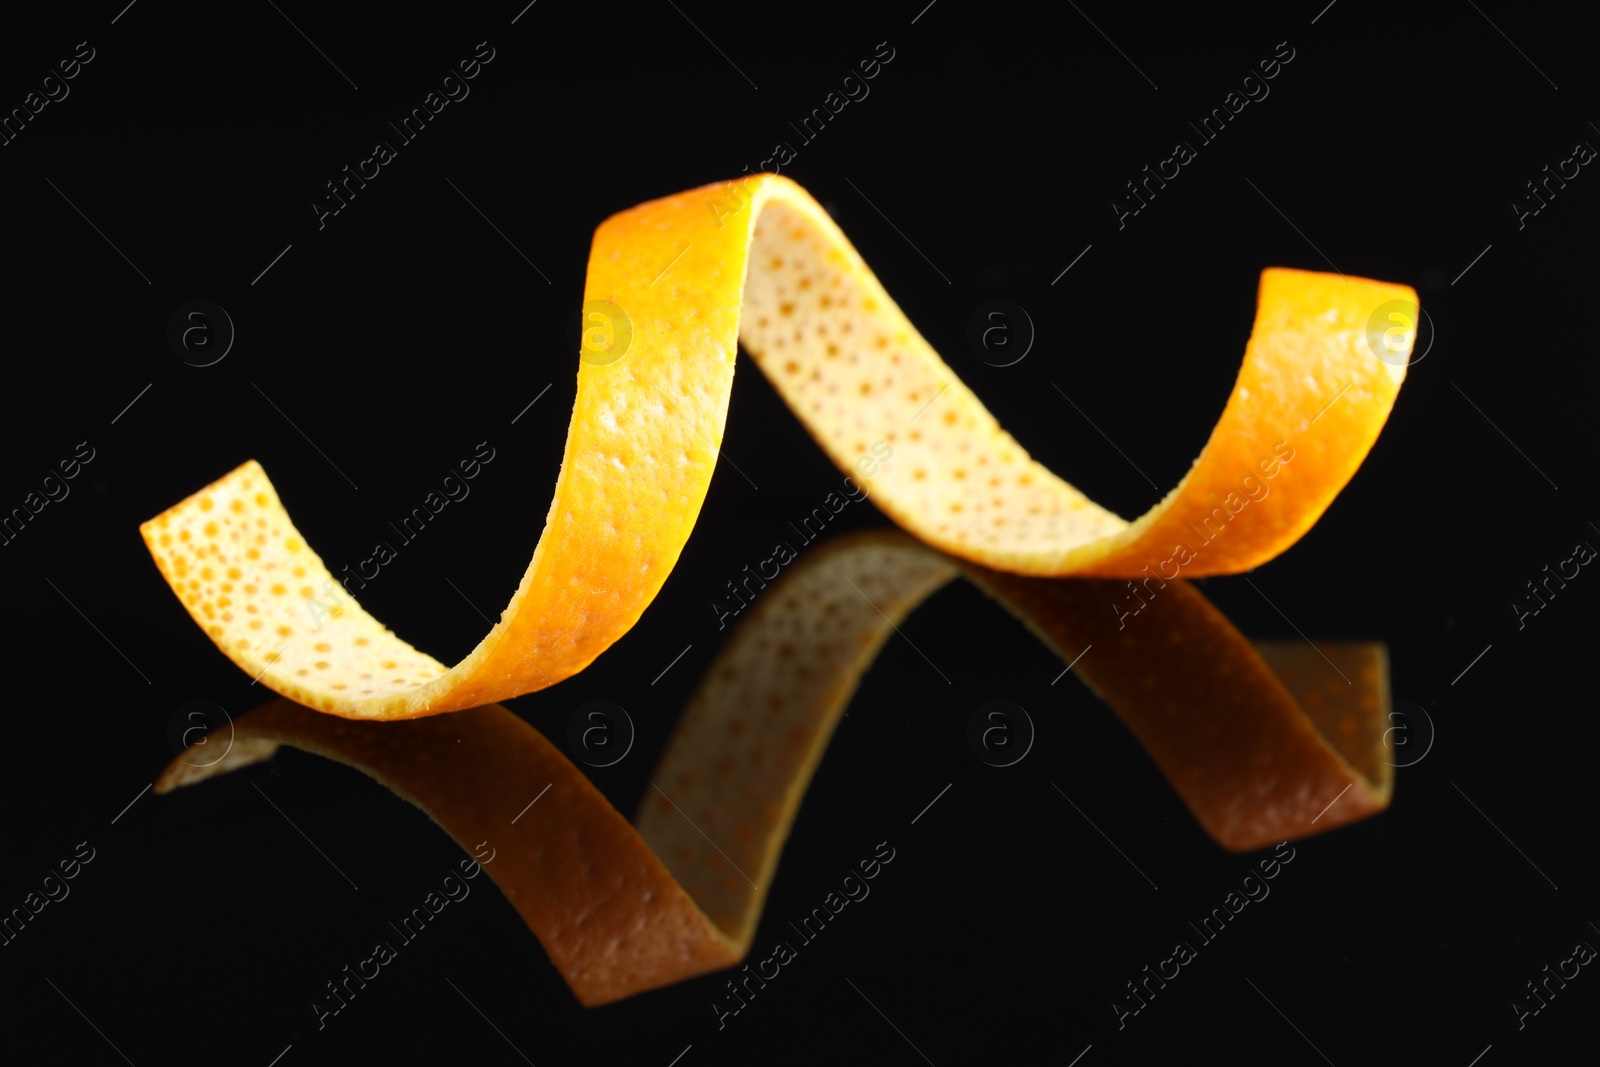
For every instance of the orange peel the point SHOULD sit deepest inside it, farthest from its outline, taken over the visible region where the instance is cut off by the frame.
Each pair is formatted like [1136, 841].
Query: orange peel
[693, 277]
[623, 909]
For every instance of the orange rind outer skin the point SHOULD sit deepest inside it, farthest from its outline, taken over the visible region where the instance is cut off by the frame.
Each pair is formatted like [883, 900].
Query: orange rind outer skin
[647, 426]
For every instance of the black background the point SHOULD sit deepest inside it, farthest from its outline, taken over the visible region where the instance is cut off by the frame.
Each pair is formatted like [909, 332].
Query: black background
[408, 329]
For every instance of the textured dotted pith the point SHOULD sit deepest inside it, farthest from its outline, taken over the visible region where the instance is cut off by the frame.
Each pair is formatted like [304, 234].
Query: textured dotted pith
[250, 580]
[645, 437]
[856, 372]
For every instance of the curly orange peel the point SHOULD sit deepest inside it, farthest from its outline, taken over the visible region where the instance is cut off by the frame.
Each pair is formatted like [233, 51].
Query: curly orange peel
[780, 276]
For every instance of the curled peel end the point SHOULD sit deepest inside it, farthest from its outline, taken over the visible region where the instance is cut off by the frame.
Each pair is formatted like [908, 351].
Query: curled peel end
[187, 769]
[245, 574]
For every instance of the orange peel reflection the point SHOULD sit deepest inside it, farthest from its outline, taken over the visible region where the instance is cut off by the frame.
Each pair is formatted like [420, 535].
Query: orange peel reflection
[623, 908]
